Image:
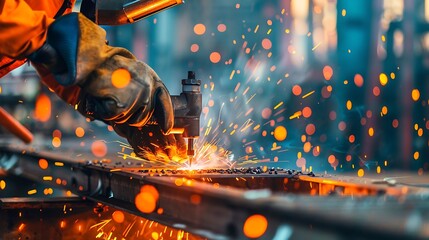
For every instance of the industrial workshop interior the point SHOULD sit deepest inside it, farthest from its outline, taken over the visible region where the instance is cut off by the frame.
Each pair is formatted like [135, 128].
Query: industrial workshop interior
[261, 119]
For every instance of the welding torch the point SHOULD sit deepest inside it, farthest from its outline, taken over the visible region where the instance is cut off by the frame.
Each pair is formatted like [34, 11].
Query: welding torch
[187, 110]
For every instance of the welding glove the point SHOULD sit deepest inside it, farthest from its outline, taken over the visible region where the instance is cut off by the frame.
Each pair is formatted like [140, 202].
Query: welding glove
[114, 86]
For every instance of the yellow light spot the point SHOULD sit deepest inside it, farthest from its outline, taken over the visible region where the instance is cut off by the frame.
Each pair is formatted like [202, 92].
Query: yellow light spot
[2, 184]
[59, 164]
[121, 77]
[416, 155]
[47, 178]
[31, 192]
[155, 235]
[384, 110]
[383, 38]
[392, 75]
[415, 95]
[299, 155]
[378, 169]
[118, 216]
[56, 142]
[349, 105]
[343, 12]
[43, 164]
[80, 132]
[383, 79]
[371, 132]
[360, 172]
[280, 133]
[385, 163]
[310, 93]
[178, 182]
[255, 226]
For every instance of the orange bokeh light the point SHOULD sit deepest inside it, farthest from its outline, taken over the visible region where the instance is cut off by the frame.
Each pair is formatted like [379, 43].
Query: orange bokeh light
[215, 57]
[195, 47]
[255, 226]
[199, 29]
[121, 77]
[145, 202]
[310, 129]
[221, 27]
[280, 133]
[99, 148]
[151, 190]
[42, 111]
[296, 90]
[328, 72]
[266, 43]
[306, 112]
[358, 80]
[80, 132]
[118, 216]
[56, 142]
[43, 163]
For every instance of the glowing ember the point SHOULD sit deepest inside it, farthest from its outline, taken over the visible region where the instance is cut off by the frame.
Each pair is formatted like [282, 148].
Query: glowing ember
[255, 226]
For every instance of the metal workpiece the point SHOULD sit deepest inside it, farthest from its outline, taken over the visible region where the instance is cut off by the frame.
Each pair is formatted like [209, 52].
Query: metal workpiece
[216, 203]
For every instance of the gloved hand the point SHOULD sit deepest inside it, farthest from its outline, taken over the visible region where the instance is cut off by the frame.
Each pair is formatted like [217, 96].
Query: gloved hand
[115, 87]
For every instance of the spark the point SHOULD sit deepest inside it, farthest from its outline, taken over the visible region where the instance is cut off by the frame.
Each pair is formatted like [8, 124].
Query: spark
[59, 164]
[308, 94]
[317, 45]
[101, 224]
[232, 75]
[278, 105]
[295, 115]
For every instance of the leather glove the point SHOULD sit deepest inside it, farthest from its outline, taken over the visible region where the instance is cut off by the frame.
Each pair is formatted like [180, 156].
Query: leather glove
[77, 54]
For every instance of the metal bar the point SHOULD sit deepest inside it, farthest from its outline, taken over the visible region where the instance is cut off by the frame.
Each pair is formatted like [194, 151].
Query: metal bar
[220, 210]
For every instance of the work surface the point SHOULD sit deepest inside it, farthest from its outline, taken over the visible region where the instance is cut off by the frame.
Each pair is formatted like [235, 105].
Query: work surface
[217, 203]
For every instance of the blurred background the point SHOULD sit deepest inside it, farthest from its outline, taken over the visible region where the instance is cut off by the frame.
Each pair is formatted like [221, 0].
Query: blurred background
[318, 85]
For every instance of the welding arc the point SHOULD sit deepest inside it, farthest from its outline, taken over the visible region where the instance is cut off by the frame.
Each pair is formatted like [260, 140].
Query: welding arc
[15, 127]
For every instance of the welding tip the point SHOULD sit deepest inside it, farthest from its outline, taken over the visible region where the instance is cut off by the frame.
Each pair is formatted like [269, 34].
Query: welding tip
[15, 127]
[190, 151]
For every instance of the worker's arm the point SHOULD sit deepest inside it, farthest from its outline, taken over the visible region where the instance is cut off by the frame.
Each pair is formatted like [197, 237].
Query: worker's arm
[22, 30]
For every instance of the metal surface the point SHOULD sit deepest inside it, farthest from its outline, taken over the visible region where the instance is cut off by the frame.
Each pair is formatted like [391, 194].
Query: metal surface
[343, 206]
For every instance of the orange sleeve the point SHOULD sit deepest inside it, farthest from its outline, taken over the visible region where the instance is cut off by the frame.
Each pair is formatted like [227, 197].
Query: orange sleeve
[23, 30]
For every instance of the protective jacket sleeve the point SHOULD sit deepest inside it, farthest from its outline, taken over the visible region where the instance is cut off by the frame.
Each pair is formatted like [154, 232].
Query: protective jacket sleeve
[23, 30]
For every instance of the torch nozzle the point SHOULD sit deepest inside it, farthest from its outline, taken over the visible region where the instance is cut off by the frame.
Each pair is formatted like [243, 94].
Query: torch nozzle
[190, 152]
